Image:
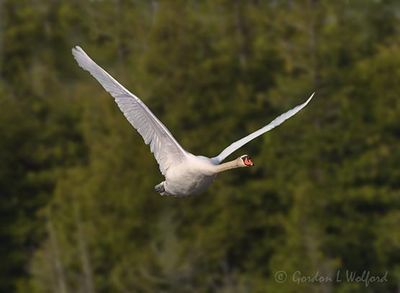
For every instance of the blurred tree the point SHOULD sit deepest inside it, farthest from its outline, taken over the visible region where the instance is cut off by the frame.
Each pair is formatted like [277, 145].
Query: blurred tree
[76, 182]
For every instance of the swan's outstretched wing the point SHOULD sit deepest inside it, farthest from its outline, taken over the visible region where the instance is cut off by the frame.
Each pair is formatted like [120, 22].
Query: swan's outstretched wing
[166, 149]
[277, 121]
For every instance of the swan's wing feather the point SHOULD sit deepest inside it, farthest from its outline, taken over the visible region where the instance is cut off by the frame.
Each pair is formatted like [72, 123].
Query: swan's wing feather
[277, 121]
[166, 149]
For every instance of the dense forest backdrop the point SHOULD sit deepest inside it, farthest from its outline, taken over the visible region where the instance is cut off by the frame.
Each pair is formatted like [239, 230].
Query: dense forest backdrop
[77, 205]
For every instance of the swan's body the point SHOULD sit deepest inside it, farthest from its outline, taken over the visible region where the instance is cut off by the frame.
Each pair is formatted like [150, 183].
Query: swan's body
[193, 176]
[185, 173]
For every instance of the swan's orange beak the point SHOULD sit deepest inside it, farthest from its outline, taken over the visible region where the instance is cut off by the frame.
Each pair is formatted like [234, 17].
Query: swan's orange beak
[248, 162]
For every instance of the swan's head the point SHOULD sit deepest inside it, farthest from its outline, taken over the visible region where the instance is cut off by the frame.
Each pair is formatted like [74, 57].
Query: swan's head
[245, 161]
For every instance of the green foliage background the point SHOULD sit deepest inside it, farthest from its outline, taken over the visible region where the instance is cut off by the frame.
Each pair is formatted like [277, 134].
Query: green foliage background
[77, 206]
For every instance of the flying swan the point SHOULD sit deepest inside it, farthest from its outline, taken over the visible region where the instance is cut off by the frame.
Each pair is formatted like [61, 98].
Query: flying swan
[185, 174]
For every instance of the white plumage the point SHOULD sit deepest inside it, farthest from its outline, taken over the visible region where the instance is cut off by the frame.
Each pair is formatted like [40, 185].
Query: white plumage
[164, 146]
[185, 173]
[277, 121]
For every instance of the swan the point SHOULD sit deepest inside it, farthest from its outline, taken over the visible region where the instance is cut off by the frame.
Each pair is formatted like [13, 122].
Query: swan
[185, 174]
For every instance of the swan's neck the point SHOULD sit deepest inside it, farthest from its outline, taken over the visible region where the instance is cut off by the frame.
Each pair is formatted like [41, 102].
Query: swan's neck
[227, 166]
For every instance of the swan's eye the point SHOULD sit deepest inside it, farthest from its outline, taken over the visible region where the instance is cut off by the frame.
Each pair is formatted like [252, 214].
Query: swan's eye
[247, 161]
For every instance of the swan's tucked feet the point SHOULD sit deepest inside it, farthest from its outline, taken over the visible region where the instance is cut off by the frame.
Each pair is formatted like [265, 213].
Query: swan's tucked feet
[160, 188]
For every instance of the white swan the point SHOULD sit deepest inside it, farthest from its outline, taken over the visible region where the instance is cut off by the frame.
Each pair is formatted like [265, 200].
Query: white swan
[184, 173]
